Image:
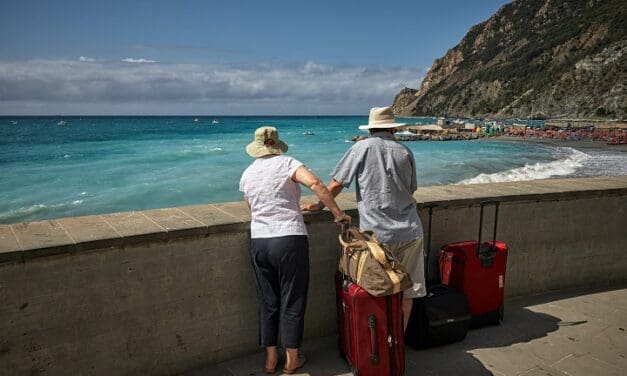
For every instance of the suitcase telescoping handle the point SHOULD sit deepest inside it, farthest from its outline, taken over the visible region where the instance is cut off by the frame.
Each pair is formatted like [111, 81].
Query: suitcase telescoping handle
[344, 226]
[430, 207]
[486, 254]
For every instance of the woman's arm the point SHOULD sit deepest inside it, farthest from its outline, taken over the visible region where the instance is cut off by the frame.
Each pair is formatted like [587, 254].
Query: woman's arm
[306, 178]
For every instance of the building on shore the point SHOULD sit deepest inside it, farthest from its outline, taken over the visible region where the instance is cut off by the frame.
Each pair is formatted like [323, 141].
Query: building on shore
[435, 132]
[583, 123]
[612, 132]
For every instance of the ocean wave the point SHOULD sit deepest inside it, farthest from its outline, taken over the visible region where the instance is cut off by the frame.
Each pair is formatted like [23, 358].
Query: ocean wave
[568, 164]
[27, 213]
[604, 164]
[188, 153]
[20, 214]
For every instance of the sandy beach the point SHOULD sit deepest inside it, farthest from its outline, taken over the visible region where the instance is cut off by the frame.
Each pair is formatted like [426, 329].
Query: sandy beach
[580, 145]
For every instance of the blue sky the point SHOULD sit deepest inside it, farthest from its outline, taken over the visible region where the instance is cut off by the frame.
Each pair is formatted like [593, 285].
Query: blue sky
[221, 57]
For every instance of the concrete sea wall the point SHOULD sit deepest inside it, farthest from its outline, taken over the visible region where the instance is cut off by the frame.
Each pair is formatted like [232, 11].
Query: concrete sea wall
[163, 291]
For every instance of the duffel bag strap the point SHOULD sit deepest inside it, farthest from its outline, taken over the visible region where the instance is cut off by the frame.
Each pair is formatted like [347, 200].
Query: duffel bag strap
[345, 253]
[343, 243]
[379, 254]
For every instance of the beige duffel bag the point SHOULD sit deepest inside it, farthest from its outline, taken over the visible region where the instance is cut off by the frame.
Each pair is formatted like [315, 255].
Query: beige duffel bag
[370, 265]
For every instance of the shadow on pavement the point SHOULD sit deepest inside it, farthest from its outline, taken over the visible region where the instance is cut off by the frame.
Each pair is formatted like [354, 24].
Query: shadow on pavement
[521, 325]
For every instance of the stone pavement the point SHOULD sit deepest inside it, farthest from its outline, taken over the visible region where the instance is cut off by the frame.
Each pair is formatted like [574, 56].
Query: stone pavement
[574, 332]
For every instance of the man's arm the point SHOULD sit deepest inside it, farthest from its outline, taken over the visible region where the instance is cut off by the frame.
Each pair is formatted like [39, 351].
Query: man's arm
[343, 174]
[334, 188]
[306, 178]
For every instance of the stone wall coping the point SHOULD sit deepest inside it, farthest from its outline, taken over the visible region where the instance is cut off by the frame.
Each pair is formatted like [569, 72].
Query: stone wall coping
[25, 241]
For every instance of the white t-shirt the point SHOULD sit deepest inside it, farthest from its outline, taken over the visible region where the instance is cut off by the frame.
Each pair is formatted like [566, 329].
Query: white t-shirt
[273, 196]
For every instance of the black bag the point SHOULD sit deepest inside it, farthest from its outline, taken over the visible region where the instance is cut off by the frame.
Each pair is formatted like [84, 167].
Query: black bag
[440, 317]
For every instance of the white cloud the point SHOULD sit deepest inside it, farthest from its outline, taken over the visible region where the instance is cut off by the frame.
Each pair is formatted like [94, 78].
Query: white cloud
[137, 61]
[86, 59]
[58, 86]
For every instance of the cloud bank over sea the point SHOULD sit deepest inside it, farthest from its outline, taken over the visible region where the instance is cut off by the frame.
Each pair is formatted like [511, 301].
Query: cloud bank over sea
[143, 86]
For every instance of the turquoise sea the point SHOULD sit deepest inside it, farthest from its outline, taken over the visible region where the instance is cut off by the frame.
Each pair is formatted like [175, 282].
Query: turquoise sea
[54, 167]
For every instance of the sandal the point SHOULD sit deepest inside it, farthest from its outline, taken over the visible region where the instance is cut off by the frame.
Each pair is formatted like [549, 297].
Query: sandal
[301, 362]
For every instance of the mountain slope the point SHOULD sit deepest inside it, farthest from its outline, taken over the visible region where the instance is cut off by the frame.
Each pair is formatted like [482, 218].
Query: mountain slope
[553, 58]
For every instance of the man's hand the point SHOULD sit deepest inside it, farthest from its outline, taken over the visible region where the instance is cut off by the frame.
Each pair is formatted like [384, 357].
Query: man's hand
[316, 207]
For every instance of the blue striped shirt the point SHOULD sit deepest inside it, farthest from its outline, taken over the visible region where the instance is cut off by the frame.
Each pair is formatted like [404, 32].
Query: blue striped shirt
[385, 174]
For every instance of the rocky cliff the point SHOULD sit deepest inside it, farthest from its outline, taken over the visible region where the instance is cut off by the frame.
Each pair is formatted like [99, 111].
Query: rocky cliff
[533, 58]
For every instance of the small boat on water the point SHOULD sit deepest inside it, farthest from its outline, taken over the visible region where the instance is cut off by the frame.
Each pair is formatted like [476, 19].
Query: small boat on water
[405, 133]
[14, 122]
[308, 133]
[215, 121]
[195, 120]
[62, 123]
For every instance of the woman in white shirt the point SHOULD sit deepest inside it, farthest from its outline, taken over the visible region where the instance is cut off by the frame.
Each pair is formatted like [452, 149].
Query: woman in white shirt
[279, 244]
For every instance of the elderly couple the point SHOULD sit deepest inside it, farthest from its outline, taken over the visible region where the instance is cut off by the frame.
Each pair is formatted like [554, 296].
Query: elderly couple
[385, 174]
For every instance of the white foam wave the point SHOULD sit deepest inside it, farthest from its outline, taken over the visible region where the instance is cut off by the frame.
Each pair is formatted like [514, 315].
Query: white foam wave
[573, 160]
[23, 212]
[77, 202]
[604, 164]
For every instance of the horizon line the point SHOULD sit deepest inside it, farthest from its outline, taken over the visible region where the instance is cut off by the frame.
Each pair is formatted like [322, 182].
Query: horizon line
[206, 116]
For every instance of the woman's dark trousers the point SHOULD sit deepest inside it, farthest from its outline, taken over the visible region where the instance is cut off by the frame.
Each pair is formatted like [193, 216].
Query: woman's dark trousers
[281, 267]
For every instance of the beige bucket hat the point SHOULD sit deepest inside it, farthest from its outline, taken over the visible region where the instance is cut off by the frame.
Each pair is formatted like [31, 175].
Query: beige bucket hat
[381, 117]
[266, 142]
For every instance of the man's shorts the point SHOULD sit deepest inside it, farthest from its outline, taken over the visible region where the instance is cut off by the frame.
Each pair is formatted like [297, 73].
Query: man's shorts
[411, 255]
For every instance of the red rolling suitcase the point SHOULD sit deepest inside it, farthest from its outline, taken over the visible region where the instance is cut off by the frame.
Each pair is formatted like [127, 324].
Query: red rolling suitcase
[477, 269]
[370, 330]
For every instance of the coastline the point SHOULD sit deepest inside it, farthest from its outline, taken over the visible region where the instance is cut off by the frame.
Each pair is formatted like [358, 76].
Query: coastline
[135, 170]
[579, 145]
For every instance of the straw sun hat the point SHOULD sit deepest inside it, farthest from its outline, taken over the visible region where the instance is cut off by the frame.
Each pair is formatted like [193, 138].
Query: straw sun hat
[381, 118]
[266, 142]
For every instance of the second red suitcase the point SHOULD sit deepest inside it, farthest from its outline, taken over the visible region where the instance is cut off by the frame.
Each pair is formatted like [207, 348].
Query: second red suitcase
[370, 330]
[477, 269]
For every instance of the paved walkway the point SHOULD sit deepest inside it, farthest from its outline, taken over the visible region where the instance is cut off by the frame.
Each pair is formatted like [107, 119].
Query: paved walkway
[575, 332]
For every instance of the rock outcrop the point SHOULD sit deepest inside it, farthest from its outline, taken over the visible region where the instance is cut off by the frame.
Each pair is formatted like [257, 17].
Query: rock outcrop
[533, 58]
